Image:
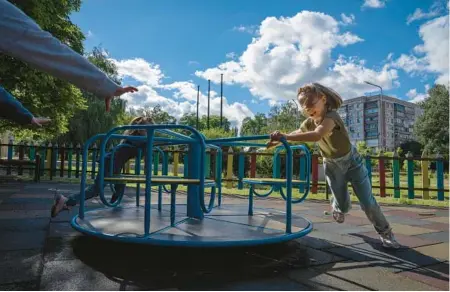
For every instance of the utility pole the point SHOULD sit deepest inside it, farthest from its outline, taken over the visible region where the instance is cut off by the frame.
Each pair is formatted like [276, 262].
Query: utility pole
[209, 88]
[198, 102]
[221, 100]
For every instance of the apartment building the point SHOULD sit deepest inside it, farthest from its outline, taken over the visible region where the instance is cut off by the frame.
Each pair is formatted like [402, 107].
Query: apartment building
[381, 121]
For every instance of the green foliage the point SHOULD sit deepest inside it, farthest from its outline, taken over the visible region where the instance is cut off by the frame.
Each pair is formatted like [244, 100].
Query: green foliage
[217, 133]
[284, 118]
[159, 116]
[42, 94]
[254, 126]
[214, 122]
[93, 120]
[362, 148]
[412, 146]
[432, 128]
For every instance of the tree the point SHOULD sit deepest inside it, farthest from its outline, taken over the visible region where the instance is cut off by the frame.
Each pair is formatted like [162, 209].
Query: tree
[285, 118]
[412, 146]
[93, 120]
[190, 119]
[254, 126]
[41, 93]
[432, 127]
[159, 116]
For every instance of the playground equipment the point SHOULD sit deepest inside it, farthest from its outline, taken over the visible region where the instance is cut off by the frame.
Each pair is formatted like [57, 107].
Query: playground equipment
[194, 223]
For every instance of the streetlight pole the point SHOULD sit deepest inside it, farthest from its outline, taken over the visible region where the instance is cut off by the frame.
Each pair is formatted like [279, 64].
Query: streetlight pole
[209, 89]
[381, 114]
[198, 102]
[221, 99]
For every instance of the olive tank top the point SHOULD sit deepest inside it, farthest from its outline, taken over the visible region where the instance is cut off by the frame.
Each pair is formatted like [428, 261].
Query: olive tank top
[337, 143]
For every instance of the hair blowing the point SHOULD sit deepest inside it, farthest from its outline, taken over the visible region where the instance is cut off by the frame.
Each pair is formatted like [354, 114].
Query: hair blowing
[309, 93]
[142, 120]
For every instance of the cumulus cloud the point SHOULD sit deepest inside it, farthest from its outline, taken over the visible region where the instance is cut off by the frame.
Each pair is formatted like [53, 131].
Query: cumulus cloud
[416, 97]
[177, 98]
[347, 19]
[291, 51]
[231, 55]
[436, 9]
[433, 52]
[374, 3]
[251, 29]
[140, 70]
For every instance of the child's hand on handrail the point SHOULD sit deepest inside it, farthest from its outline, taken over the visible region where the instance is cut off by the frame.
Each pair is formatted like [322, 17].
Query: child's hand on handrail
[272, 144]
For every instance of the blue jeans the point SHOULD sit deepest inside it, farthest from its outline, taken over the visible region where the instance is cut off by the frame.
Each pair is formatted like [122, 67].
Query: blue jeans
[350, 168]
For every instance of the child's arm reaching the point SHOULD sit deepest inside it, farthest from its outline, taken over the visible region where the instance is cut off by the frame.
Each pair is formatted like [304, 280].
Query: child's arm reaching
[273, 143]
[321, 131]
[12, 109]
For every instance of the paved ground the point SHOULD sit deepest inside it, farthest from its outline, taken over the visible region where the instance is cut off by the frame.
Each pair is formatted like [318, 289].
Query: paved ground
[40, 253]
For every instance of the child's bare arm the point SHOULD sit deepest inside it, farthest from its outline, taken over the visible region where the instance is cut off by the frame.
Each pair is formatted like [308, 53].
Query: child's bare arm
[321, 131]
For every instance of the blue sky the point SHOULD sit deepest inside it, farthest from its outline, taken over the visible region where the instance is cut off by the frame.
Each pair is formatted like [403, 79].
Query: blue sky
[180, 44]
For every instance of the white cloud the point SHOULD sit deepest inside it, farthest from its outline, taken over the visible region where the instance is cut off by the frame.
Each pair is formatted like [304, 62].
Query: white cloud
[374, 3]
[416, 97]
[140, 70]
[295, 50]
[347, 19]
[193, 63]
[183, 93]
[251, 29]
[89, 34]
[231, 55]
[434, 49]
[436, 9]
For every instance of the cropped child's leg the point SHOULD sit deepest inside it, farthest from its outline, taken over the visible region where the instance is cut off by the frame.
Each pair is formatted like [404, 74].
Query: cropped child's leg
[341, 203]
[62, 203]
[358, 176]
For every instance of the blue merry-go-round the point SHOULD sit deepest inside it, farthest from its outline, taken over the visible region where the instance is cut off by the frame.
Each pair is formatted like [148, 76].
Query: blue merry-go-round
[196, 222]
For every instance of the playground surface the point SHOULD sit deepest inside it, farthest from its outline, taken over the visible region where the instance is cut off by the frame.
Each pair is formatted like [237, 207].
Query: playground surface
[42, 253]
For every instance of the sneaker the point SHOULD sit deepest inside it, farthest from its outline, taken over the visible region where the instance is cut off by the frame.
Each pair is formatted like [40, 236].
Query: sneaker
[388, 240]
[339, 217]
[59, 205]
[114, 198]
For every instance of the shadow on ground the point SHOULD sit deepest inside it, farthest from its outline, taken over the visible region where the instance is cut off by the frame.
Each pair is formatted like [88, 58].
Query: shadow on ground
[152, 267]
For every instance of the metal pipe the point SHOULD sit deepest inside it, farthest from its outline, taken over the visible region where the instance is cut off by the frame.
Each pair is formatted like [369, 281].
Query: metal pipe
[221, 99]
[198, 102]
[209, 89]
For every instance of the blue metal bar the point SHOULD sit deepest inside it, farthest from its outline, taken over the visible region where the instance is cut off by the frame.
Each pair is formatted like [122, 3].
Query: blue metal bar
[84, 172]
[148, 181]
[218, 171]
[173, 194]
[289, 170]
[177, 135]
[236, 139]
[137, 169]
[241, 169]
[160, 197]
[250, 201]
[240, 144]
